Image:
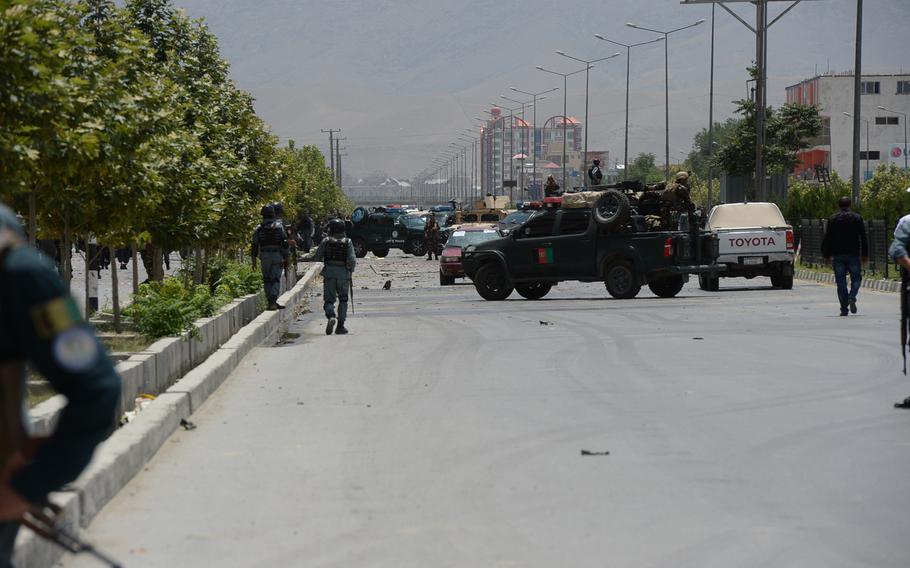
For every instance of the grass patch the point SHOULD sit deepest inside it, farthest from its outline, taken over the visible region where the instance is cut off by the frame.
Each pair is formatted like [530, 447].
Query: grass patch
[126, 343]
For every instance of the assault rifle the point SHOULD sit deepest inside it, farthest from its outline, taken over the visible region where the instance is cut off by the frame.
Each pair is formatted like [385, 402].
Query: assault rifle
[45, 520]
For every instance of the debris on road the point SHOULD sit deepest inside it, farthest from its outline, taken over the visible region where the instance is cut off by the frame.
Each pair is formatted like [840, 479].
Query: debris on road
[587, 453]
[187, 425]
[542, 322]
[387, 285]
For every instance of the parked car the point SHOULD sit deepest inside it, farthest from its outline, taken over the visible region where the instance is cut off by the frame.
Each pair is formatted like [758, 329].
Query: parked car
[755, 240]
[450, 266]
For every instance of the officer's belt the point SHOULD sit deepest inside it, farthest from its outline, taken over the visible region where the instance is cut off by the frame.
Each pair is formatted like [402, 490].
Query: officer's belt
[12, 429]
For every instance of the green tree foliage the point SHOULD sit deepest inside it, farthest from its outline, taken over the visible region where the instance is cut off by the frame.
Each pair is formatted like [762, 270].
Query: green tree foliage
[812, 200]
[885, 195]
[643, 169]
[307, 184]
[699, 158]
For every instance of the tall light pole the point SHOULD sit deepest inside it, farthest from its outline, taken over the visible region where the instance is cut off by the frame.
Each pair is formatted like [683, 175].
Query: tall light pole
[666, 35]
[628, 64]
[904, 114]
[524, 149]
[866, 120]
[565, 118]
[492, 123]
[587, 76]
[511, 142]
[534, 96]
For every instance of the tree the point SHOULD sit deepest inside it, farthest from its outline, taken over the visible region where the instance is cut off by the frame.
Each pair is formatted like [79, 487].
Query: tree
[885, 195]
[643, 169]
[698, 160]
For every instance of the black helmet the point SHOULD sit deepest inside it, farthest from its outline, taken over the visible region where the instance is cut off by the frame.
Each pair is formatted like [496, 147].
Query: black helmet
[268, 211]
[336, 227]
[279, 209]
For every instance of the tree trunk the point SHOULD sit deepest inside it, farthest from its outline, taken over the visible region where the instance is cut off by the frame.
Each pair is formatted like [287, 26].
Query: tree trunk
[32, 219]
[135, 253]
[157, 264]
[198, 267]
[115, 290]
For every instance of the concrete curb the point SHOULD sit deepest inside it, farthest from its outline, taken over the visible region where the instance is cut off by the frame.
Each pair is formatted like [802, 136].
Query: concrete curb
[126, 452]
[828, 278]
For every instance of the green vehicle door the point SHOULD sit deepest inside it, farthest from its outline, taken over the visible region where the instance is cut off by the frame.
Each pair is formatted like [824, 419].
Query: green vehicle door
[574, 244]
[532, 253]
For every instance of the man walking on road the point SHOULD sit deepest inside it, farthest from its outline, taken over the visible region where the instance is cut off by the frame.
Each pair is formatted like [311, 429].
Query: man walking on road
[270, 244]
[899, 252]
[40, 325]
[431, 236]
[337, 254]
[846, 247]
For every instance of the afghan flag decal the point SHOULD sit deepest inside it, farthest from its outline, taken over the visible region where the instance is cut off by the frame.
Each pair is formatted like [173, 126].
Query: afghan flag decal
[545, 255]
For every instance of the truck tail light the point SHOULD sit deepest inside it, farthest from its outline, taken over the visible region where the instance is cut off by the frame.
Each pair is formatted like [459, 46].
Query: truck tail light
[668, 247]
[790, 239]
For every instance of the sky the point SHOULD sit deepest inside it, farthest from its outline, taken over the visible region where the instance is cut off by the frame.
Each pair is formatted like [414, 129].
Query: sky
[401, 78]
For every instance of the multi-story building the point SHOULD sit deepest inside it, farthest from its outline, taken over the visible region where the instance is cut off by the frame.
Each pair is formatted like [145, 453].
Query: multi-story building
[884, 108]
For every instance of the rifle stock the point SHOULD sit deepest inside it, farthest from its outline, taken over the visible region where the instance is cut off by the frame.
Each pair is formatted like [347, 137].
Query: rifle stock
[44, 522]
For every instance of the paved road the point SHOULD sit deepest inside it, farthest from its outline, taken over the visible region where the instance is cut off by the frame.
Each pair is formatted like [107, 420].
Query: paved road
[750, 427]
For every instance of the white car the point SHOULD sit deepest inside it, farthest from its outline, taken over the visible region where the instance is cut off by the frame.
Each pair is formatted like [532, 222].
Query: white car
[755, 240]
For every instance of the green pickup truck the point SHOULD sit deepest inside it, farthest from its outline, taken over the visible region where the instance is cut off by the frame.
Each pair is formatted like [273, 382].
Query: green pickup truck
[379, 231]
[556, 245]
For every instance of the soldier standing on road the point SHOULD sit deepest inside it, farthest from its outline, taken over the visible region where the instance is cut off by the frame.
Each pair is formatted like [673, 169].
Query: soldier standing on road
[270, 244]
[337, 253]
[551, 188]
[431, 236]
[899, 252]
[595, 176]
[41, 325]
[305, 228]
[845, 246]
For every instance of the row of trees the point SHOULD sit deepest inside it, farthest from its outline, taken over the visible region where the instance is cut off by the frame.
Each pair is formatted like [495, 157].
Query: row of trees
[123, 123]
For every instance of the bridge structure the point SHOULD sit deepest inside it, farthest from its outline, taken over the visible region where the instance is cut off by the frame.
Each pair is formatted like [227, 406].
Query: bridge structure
[372, 196]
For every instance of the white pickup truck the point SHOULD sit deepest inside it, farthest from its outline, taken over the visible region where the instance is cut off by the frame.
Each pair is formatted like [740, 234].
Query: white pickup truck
[755, 240]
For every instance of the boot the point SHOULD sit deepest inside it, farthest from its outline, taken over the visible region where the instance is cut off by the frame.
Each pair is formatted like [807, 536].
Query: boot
[341, 329]
[330, 326]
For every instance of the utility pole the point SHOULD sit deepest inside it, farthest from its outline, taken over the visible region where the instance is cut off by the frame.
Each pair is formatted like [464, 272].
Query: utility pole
[332, 148]
[857, 83]
[338, 161]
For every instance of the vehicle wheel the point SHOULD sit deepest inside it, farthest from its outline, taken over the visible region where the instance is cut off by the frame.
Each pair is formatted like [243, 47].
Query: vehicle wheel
[381, 253]
[668, 286]
[360, 248]
[781, 281]
[703, 282]
[418, 247]
[622, 281]
[713, 284]
[359, 215]
[612, 209]
[445, 280]
[491, 282]
[533, 290]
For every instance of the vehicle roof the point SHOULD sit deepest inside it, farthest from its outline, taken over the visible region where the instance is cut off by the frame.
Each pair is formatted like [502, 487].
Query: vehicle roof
[475, 227]
[746, 215]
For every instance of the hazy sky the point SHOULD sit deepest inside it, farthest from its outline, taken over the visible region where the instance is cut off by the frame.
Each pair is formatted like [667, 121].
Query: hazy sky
[401, 77]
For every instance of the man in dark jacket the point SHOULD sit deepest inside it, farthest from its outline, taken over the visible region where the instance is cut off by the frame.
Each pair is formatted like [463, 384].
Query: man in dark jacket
[40, 325]
[846, 247]
[595, 175]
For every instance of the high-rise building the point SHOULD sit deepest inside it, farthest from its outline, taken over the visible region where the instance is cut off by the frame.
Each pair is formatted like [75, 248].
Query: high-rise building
[833, 148]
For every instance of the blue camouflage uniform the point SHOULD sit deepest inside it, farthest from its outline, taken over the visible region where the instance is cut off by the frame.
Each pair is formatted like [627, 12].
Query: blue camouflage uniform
[40, 324]
[901, 240]
[339, 261]
[270, 244]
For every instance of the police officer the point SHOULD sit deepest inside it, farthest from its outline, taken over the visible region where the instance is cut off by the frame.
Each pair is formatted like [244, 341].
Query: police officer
[898, 251]
[41, 325]
[595, 176]
[270, 244]
[337, 253]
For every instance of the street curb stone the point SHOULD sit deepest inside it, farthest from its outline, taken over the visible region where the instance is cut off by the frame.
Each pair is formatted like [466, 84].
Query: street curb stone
[125, 453]
[828, 278]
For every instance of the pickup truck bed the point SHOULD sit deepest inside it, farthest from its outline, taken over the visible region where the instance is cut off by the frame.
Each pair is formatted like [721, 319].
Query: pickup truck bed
[556, 245]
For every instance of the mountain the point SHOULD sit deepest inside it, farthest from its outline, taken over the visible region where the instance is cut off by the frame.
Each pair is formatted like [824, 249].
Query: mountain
[402, 77]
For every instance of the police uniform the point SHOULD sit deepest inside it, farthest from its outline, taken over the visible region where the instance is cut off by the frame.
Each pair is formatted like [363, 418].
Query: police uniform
[270, 245]
[40, 324]
[336, 252]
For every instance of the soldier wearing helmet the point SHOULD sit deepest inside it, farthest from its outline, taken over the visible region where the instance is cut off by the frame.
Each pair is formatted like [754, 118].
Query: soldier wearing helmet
[270, 245]
[337, 253]
[40, 325]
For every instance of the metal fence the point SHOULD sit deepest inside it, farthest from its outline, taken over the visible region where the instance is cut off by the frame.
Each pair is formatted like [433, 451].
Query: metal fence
[809, 233]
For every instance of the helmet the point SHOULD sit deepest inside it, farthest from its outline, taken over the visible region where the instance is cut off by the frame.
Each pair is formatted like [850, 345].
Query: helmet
[336, 227]
[279, 209]
[596, 162]
[682, 176]
[9, 221]
[268, 211]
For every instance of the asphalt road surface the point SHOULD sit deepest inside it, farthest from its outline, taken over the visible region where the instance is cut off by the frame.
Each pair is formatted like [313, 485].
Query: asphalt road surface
[751, 427]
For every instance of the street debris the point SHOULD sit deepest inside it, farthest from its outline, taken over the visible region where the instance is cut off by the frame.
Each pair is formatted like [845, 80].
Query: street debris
[187, 425]
[587, 453]
[387, 285]
[542, 322]
[698, 338]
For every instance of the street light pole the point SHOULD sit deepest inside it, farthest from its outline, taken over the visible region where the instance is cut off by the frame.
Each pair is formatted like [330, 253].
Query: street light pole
[866, 120]
[587, 75]
[666, 35]
[565, 118]
[628, 74]
[534, 96]
[905, 130]
[524, 149]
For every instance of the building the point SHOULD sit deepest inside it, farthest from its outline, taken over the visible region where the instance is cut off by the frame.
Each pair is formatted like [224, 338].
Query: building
[833, 95]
